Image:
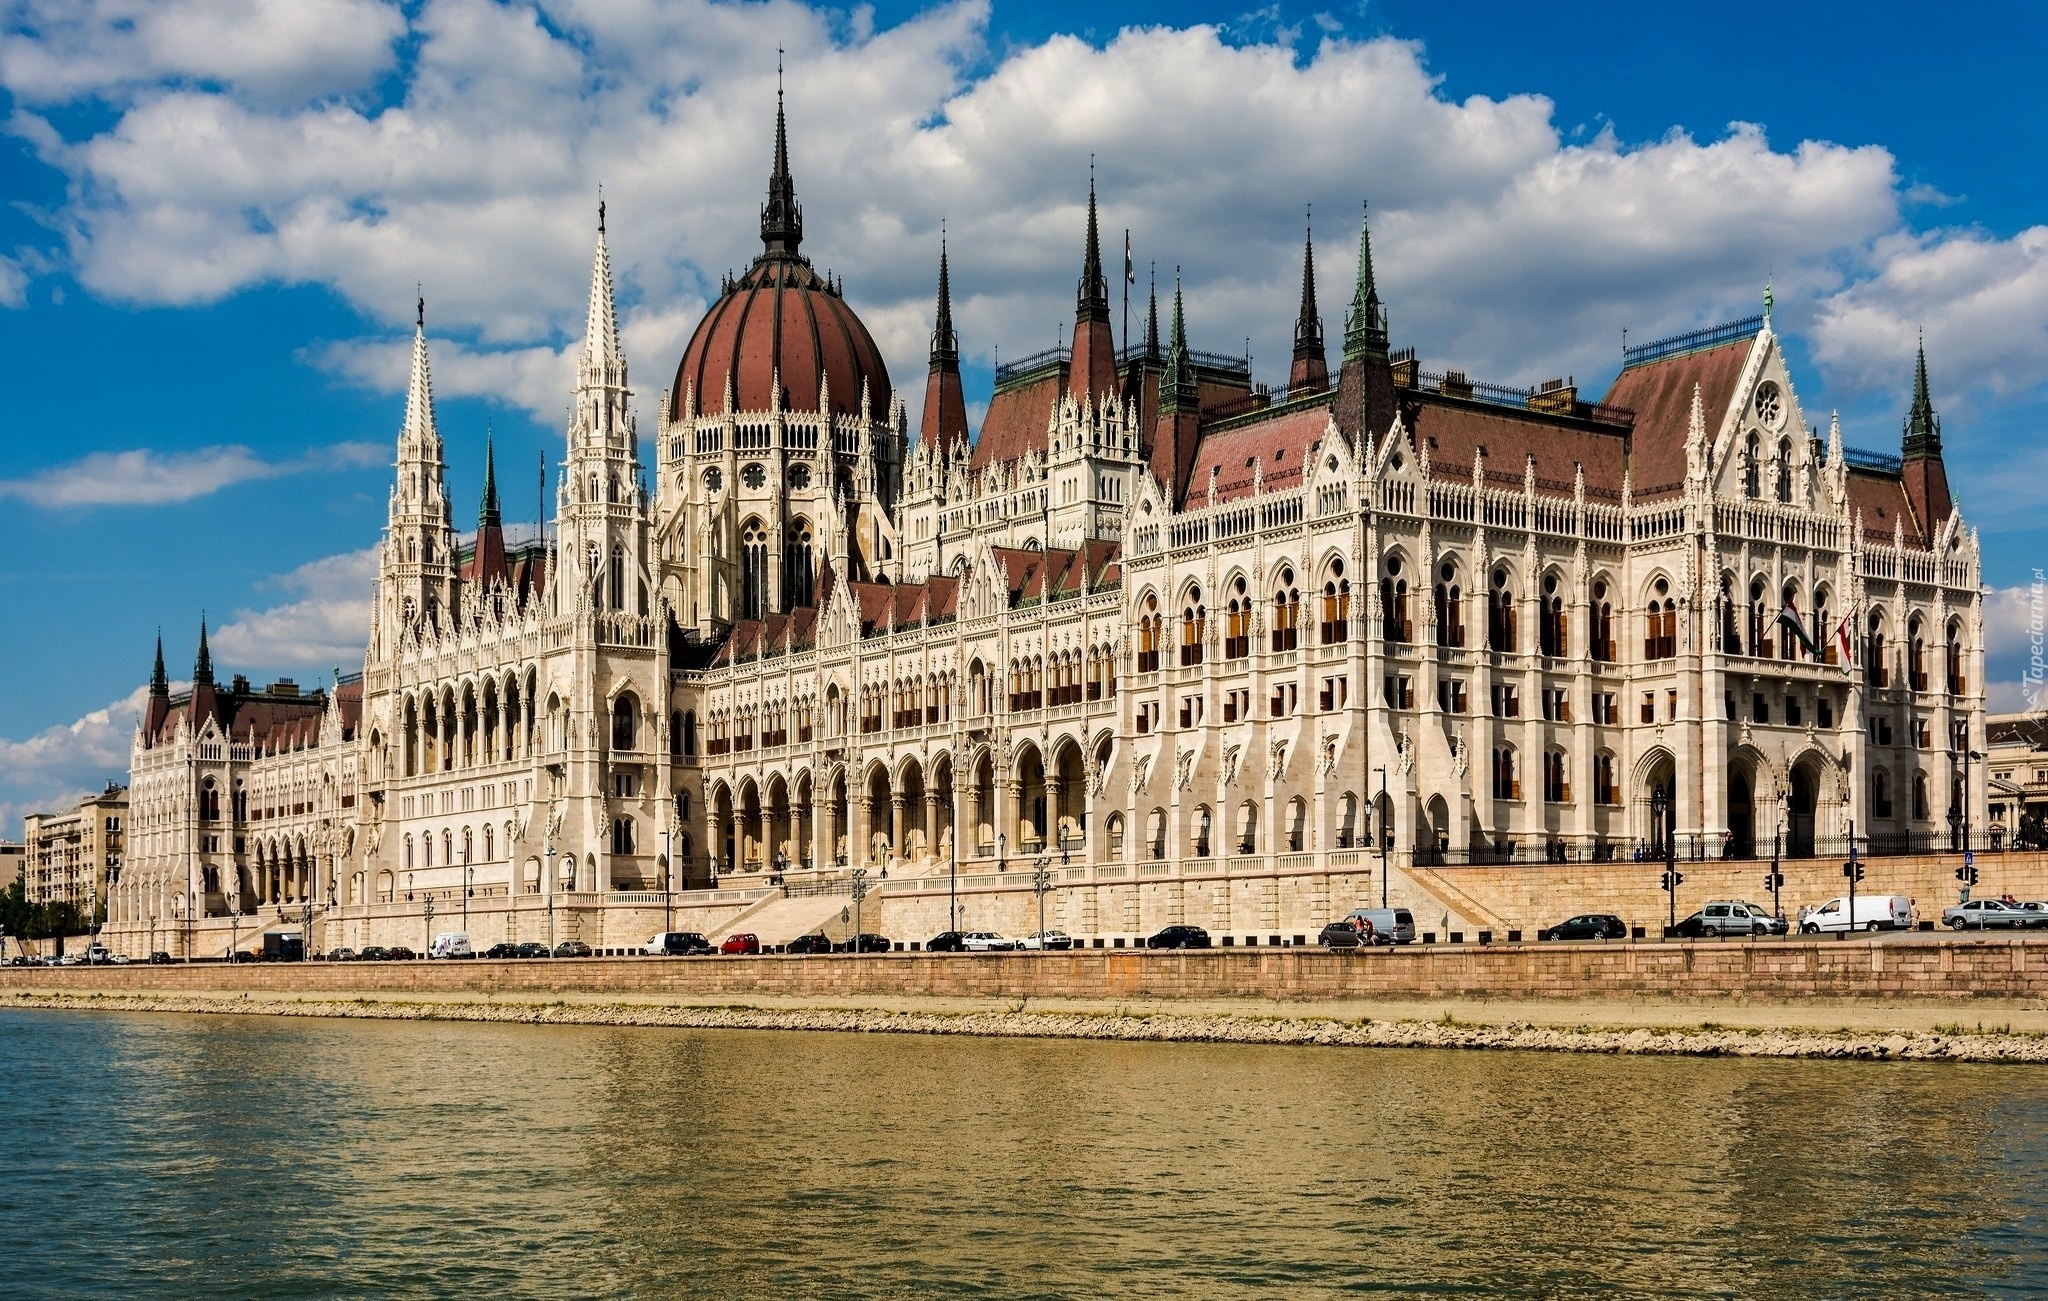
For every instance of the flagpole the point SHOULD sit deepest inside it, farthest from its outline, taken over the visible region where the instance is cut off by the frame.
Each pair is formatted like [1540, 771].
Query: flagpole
[1125, 337]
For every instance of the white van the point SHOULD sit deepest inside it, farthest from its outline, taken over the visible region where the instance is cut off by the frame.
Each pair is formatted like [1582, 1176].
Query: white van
[1874, 912]
[451, 944]
[1397, 924]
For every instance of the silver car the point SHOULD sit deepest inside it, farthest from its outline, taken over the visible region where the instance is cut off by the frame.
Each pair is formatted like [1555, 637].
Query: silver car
[1735, 917]
[1983, 913]
[986, 942]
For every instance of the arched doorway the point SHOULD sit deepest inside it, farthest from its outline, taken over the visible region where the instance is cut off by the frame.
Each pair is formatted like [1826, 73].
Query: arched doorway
[1435, 830]
[1741, 814]
[1799, 820]
[1659, 790]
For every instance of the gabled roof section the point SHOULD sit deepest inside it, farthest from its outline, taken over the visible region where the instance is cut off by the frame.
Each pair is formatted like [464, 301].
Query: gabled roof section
[1281, 446]
[1454, 431]
[1017, 418]
[1657, 385]
[1885, 505]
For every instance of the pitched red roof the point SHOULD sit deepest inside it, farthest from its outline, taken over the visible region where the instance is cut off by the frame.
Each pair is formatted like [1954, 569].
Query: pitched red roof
[1882, 499]
[1660, 393]
[1281, 445]
[1454, 430]
[1016, 419]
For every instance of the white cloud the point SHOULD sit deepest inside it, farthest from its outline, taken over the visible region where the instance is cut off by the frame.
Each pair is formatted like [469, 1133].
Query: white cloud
[474, 172]
[144, 477]
[323, 627]
[13, 283]
[52, 770]
[273, 50]
[2016, 647]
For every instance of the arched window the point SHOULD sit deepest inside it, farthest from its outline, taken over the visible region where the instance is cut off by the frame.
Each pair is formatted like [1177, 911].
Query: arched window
[1114, 824]
[1875, 669]
[622, 835]
[1450, 607]
[1916, 655]
[1785, 469]
[209, 801]
[1557, 787]
[408, 853]
[1752, 456]
[1507, 783]
[625, 723]
[618, 578]
[1237, 632]
[1247, 828]
[753, 571]
[1759, 619]
[1952, 658]
[1194, 624]
[1155, 835]
[1202, 827]
[1788, 640]
[1880, 793]
[1148, 635]
[799, 566]
[1286, 612]
[1602, 642]
[1550, 633]
[1500, 614]
[1605, 789]
[1660, 623]
[1919, 797]
[490, 843]
[1395, 625]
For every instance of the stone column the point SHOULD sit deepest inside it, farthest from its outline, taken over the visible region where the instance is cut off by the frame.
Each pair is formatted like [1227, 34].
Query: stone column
[931, 822]
[897, 801]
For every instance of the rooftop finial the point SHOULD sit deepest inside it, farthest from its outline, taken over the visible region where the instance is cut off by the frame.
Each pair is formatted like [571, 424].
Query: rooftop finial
[600, 207]
[1365, 326]
[782, 221]
[945, 344]
[1091, 298]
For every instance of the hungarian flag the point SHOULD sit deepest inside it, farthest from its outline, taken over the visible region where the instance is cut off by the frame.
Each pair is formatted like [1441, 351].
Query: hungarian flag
[1796, 627]
[1842, 640]
[1130, 267]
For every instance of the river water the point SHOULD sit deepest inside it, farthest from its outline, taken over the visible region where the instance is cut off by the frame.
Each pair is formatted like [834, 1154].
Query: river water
[158, 1155]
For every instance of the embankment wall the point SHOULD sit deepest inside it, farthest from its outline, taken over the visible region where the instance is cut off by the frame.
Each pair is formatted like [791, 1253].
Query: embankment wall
[1973, 971]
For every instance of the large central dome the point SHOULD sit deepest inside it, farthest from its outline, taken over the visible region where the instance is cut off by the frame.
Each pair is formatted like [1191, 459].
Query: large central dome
[781, 318]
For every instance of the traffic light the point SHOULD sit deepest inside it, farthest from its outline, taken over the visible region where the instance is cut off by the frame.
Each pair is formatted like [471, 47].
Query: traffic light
[1967, 875]
[1854, 871]
[1774, 880]
[1671, 880]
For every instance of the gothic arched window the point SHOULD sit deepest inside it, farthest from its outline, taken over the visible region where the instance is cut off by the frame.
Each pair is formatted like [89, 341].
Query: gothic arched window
[753, 572]
[799, 568]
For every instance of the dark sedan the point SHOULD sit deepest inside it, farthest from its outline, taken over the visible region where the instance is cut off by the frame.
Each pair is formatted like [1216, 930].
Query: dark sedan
[1343, 935]
[400, 953]
[373, 953]
[159, 959]
[947, 942]
[530, 949]
[867, 942]
[572, 949]
[814, 943]
[1179, 937]
[1587, 926]
[502, 949]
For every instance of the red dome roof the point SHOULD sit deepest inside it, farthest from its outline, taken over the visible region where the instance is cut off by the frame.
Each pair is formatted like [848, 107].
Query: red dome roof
[781, 316]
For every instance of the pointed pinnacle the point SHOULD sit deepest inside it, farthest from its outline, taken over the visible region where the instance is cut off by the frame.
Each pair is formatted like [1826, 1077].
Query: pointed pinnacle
[1091, 299]
[159, 681]
[202, 669]
[489, 517]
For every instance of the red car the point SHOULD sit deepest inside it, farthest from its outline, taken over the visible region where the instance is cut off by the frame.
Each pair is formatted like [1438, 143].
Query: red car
[741, 944]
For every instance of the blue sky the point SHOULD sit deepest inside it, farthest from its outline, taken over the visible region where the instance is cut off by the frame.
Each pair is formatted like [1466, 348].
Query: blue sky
[218, 211]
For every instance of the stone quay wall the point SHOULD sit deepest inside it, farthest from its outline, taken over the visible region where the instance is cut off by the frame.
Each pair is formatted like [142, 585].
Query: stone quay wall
[1968, 971]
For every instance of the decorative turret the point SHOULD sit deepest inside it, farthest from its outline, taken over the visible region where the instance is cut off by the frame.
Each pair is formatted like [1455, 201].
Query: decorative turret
[1093, 374]
[159, 708]
[1311, 370]
[417, 568]
[782, 218]
[205, 698]
[1176, 431]
[490, 564]
[945, 405]
[1365, 406]
[1925, 475]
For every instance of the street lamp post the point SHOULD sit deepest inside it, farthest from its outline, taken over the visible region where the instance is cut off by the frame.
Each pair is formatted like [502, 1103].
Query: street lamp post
[1041, 884]
[860, 892]
[427, 921]
[548, 887]
[468, 875]
[1777, 877]
[1380, 833]
[667, 873]
[1664, 813]
[152, 935]
[953, 890]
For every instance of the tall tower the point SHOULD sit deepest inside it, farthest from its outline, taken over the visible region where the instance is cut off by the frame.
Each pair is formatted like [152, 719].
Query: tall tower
[945, 407]
[416, 570]
[1365, 381]
[1093, 374]
[1176, 434]
[1311, 370]
[601, 513]
[1926, 477]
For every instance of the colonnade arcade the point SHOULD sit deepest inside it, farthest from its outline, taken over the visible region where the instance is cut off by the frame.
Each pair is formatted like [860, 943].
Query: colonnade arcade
[468, 723]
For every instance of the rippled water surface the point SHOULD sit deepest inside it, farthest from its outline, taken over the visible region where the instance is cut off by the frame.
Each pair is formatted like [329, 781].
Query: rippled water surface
[245, 1157]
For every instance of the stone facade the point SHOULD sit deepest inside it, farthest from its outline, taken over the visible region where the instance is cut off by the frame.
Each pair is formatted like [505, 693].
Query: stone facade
[1169, 644]
[74, 857]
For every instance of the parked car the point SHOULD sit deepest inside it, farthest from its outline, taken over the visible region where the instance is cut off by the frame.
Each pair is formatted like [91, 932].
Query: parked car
[163, 959]
[572, 949]
[1396, 923]
[741, 942]
[1344, 935]
[677, 944]
[815, 942]
[986, 942]
[1874, 912]
[333, 955]
[2037, 913]
[1050, 941]
[530, 949]
[97, 954]
[374, 953]
[1981, 914]
[502, 949]
[1179, 937]
[244, 955]
[1587, 926]
[399, 953]
[1736, 917]
[946, 942]
[865, 942]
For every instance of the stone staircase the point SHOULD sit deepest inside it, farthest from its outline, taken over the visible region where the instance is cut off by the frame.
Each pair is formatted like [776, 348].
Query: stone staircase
[778, 919]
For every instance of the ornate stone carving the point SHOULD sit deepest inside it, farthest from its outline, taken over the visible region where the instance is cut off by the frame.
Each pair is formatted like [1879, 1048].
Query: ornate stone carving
[1230, 756]
[1276, 759]
[1183, 768]
[1141, 772]
[1327, 765]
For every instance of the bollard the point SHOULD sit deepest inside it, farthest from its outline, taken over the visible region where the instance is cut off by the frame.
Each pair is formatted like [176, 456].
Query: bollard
[1457, 937]
[1635, 932]
[1514, 937]
[1429, 937]
[1486, 937]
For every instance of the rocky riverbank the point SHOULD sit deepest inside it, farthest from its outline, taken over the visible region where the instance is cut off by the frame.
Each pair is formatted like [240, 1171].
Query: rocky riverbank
[1958, 1043]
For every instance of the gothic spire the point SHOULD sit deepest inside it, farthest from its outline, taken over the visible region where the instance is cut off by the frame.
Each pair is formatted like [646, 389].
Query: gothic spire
[782, 220]
[159, 681]
[1091, 296]
[202, 669]
[419, 394]
[1311, 368]
[489, 517]
[1365, 327]
[1152, 315]
[1923, 427]
[1177, 391]
[945, 343]
[603, 363]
